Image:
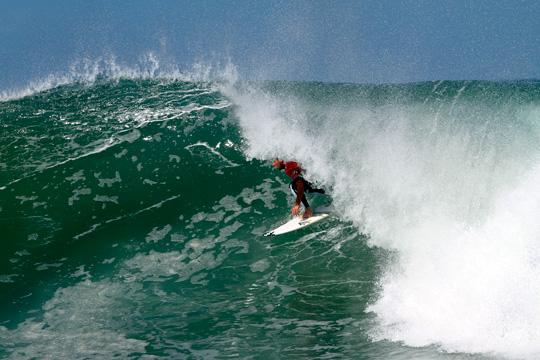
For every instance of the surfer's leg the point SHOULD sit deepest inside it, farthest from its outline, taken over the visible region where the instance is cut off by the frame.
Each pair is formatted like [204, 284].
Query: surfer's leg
[292, 186]
[293, 191]
[310, 189]
[305, 202]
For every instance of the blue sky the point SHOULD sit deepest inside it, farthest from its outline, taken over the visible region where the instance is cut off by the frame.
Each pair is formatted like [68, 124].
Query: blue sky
[341, 41]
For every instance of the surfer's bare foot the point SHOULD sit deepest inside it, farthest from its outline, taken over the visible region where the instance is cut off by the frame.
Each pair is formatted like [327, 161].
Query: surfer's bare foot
[308, 213]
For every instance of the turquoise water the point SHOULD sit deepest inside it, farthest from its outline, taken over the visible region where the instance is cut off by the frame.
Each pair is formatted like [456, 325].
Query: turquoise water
[132, 212]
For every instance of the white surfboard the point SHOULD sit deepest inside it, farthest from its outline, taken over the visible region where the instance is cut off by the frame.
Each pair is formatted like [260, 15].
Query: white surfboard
[297, 223]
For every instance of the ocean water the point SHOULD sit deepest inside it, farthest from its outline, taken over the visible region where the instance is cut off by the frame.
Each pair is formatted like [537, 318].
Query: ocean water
[132, 210]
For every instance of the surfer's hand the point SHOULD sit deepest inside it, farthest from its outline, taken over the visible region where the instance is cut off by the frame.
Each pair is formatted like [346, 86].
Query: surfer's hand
[295, 209]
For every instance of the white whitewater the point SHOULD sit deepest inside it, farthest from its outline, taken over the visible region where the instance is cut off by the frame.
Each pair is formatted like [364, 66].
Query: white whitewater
[452, 186]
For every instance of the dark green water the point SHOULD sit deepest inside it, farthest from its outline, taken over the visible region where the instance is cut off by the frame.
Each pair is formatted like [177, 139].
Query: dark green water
[132, 214]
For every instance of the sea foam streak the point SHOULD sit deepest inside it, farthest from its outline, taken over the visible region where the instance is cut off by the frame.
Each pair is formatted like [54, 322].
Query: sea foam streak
[450, 182]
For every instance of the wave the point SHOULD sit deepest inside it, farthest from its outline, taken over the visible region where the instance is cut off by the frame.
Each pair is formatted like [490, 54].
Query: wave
[154, 183]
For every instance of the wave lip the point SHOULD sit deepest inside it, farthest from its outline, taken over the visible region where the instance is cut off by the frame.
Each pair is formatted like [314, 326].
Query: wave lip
[149, 66]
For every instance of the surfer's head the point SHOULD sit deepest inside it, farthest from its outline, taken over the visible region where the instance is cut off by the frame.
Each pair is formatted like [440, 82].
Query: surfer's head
[278, 164]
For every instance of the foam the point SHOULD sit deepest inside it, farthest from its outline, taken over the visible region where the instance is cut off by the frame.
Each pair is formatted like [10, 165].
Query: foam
[106, 198]
[76, 323]
[210, 153]
[260, 265]
[478, 289]
[159, 266]
[451, 187]
[94, 227]
[158, 234]
[109, 182]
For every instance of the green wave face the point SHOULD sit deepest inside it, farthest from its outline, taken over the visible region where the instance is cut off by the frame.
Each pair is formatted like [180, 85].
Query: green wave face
[132, 214]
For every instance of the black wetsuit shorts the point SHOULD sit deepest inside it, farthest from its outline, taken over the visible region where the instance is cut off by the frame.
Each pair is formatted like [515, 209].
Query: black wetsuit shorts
[308, 188]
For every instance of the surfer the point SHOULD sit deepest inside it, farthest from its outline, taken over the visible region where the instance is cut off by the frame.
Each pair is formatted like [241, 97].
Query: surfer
[299, 186]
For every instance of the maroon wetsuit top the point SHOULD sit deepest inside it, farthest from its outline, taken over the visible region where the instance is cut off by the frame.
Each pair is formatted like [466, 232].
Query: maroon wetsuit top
[292, 169]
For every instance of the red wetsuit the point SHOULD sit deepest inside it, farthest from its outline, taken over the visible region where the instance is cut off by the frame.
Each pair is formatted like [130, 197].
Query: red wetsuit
[292, 169]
